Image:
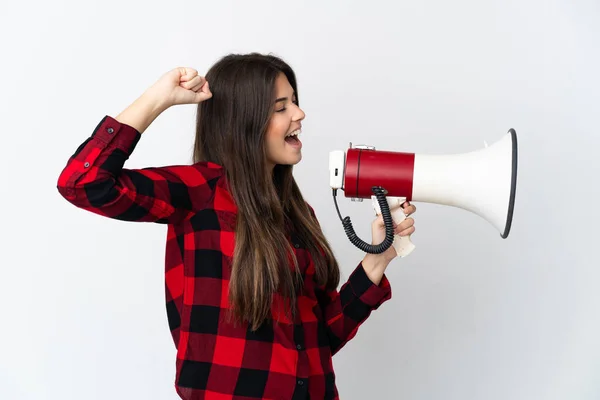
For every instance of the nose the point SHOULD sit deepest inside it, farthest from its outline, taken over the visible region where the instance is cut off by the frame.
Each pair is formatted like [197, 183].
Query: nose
[299, 114]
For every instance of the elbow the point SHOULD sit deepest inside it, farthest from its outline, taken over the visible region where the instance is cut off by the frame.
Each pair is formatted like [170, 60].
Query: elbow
[94, 194]
[68, 193]
[71, 193]
[66, 187]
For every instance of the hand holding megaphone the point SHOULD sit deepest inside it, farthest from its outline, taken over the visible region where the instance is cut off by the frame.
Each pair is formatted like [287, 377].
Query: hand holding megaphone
[400, 209]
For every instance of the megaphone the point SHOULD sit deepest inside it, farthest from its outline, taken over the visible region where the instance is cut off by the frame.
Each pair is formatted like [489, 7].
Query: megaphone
[482, 182]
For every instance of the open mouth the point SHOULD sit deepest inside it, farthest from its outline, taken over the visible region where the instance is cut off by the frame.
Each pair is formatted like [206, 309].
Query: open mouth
[292, 138]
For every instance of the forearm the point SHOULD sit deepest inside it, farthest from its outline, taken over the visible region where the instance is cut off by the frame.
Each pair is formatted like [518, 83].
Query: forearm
[142, 112]
[346, 310]
[374, 266]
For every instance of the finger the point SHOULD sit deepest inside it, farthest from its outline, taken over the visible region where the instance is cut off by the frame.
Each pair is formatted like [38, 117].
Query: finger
[408, 231]
[407, 223]
[203, 88]
[187, 74]
[197, 87]
[410, 209]
[196, 81]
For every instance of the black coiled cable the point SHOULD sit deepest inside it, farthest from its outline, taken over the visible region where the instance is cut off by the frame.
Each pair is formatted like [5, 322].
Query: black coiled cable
[380, 193]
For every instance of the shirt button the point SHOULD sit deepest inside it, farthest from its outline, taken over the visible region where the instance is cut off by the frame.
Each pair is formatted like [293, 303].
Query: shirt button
[87, 164]
[296, 245]
[300, 382]
[110, 130]
[299, 346]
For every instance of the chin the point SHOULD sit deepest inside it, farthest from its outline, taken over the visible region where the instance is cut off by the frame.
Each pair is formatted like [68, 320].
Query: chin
[296, 160]
[293, 160]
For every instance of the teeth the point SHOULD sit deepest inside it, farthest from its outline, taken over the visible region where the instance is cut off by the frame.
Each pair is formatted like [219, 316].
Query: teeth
[295, 133]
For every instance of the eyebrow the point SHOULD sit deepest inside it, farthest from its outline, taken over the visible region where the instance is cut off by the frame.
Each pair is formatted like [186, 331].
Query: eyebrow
[283, 98]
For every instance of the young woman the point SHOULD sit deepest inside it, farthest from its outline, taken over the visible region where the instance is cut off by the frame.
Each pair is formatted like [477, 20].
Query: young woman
[251, 281]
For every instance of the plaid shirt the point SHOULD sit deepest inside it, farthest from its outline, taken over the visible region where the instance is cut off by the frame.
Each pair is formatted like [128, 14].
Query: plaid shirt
[217, 360]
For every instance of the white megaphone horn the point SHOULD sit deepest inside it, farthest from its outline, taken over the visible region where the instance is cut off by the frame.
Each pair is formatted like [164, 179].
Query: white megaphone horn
[482, 182]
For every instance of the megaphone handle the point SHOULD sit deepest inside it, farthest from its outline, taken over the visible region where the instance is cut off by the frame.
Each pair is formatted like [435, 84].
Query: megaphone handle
[402, 244]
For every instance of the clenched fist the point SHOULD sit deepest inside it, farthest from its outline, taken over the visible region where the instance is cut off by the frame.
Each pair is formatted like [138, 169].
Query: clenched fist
[181, 85]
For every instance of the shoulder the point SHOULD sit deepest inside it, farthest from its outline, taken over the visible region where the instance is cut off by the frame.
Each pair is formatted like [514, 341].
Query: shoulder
[311, 211]
[197, 174]
[209, 169]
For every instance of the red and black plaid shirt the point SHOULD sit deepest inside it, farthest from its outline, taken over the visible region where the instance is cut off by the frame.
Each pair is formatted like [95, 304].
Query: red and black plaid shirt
[217, 360]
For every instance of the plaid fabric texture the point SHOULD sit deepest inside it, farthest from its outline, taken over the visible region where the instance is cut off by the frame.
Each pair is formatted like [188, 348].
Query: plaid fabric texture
[215, 359]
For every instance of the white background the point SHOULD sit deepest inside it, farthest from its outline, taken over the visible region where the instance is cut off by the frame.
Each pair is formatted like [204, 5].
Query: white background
[472, 316]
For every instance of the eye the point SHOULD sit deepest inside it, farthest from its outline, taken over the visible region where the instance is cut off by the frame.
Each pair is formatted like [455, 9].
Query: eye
[295, 101]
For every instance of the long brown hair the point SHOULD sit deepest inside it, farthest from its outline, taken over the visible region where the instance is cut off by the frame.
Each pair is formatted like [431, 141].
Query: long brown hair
[230, 131]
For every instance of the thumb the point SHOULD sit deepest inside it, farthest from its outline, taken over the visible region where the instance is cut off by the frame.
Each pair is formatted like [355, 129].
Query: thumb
[203, 93]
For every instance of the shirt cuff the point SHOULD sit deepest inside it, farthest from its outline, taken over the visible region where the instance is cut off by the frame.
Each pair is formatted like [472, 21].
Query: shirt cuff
[120, 135]
[369, 293]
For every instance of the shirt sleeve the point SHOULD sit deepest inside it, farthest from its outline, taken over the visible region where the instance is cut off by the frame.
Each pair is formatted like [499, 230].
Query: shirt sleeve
[345, 310]
[94, 179]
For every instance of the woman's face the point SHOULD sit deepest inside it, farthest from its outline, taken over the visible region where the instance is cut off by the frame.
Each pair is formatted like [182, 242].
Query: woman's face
[282, 141]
